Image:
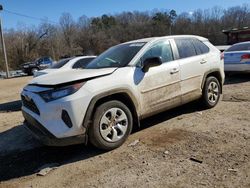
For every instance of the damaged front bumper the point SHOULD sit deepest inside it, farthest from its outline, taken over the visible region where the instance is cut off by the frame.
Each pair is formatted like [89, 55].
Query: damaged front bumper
[43, 135]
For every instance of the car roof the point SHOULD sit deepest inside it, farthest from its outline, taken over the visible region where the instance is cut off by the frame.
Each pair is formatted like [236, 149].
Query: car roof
[247, 42]
[80, 57]
[84, 56]
[151, 39]
[72, 60]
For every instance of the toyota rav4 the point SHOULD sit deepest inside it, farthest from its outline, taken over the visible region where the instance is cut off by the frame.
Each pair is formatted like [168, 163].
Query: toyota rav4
[126, 83]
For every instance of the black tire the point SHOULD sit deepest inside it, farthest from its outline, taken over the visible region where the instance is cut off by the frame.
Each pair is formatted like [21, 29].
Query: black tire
[29, 73]
[205, 93]
[95, 136]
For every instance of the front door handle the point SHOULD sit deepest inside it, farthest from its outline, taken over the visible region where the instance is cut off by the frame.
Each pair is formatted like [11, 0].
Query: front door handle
[174, 70]
[203, 61]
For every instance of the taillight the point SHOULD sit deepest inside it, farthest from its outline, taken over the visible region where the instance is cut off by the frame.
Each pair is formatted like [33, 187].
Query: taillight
[245, 56]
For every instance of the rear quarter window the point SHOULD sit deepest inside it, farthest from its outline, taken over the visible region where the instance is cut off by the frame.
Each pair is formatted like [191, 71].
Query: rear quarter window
[239, 47]
[200, 47]
[185, 48]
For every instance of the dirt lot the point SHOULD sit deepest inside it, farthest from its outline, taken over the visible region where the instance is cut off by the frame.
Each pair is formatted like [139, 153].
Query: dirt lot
[218, 140]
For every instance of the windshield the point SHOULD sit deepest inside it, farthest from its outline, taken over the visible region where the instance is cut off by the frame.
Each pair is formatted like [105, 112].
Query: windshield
[60, 63]
[117, 56]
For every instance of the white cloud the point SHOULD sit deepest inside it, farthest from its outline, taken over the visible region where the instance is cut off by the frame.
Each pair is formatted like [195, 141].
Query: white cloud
[190, 13]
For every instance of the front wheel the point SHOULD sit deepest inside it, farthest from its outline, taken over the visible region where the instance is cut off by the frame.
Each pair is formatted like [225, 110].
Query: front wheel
[34, 70]
[211, 92]
[111, 126]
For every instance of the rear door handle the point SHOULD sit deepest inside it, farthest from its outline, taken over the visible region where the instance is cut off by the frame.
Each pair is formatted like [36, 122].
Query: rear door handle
[174, 70]
[203, 61]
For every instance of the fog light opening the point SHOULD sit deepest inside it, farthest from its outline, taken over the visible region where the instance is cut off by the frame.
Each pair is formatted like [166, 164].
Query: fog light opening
[66, 119]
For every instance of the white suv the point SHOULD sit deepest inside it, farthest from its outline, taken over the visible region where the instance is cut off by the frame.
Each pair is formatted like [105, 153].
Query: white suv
[126, 83]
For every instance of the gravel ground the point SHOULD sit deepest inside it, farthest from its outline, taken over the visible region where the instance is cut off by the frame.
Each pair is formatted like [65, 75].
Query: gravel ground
[184, 147]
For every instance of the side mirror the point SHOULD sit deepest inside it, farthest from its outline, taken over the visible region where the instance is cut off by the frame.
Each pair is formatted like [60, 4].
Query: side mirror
[151, 62]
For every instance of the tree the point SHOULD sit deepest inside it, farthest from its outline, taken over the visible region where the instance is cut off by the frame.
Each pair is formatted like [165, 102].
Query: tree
[94, 35]
[68, 29]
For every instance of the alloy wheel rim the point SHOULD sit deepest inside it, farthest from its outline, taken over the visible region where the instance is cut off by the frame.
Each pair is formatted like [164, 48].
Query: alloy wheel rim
[213, 92]
[113, 125]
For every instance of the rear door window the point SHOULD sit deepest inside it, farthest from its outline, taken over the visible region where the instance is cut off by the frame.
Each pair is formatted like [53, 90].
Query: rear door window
[239, 47]
[185, 48]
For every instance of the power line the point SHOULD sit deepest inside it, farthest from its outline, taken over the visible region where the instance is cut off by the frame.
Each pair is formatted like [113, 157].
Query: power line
[26, 16]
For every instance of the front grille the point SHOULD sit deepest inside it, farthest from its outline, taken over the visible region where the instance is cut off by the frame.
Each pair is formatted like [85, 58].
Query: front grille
[30, 105]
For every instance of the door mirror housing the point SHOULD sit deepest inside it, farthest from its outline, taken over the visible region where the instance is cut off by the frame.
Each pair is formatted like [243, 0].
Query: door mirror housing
[151, 62]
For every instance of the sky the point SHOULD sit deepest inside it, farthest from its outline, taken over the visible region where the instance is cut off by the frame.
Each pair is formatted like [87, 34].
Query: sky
[52, 9]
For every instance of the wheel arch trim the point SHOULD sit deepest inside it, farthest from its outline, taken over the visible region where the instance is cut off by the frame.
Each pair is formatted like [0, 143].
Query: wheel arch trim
[213, 71]
[115, 92]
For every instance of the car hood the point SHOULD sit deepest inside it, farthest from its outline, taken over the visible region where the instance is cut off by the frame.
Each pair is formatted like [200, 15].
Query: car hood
[68, 76]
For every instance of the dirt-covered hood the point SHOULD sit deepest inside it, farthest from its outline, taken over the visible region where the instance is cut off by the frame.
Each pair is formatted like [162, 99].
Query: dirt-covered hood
[64, 77]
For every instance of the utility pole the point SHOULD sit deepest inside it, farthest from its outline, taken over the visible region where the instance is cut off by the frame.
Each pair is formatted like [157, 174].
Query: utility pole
[3, 47]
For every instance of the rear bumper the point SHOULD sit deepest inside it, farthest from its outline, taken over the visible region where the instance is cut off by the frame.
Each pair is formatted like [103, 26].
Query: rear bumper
[237, 67]
[42, 134]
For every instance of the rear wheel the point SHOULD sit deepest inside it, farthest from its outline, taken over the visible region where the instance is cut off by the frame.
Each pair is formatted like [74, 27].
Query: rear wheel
[112, 124]
[211, 92]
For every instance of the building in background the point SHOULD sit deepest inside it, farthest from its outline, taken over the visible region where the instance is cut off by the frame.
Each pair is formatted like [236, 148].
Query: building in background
[237, 35]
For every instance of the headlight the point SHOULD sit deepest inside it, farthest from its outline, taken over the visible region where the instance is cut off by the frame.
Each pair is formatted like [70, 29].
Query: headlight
[61, 92]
